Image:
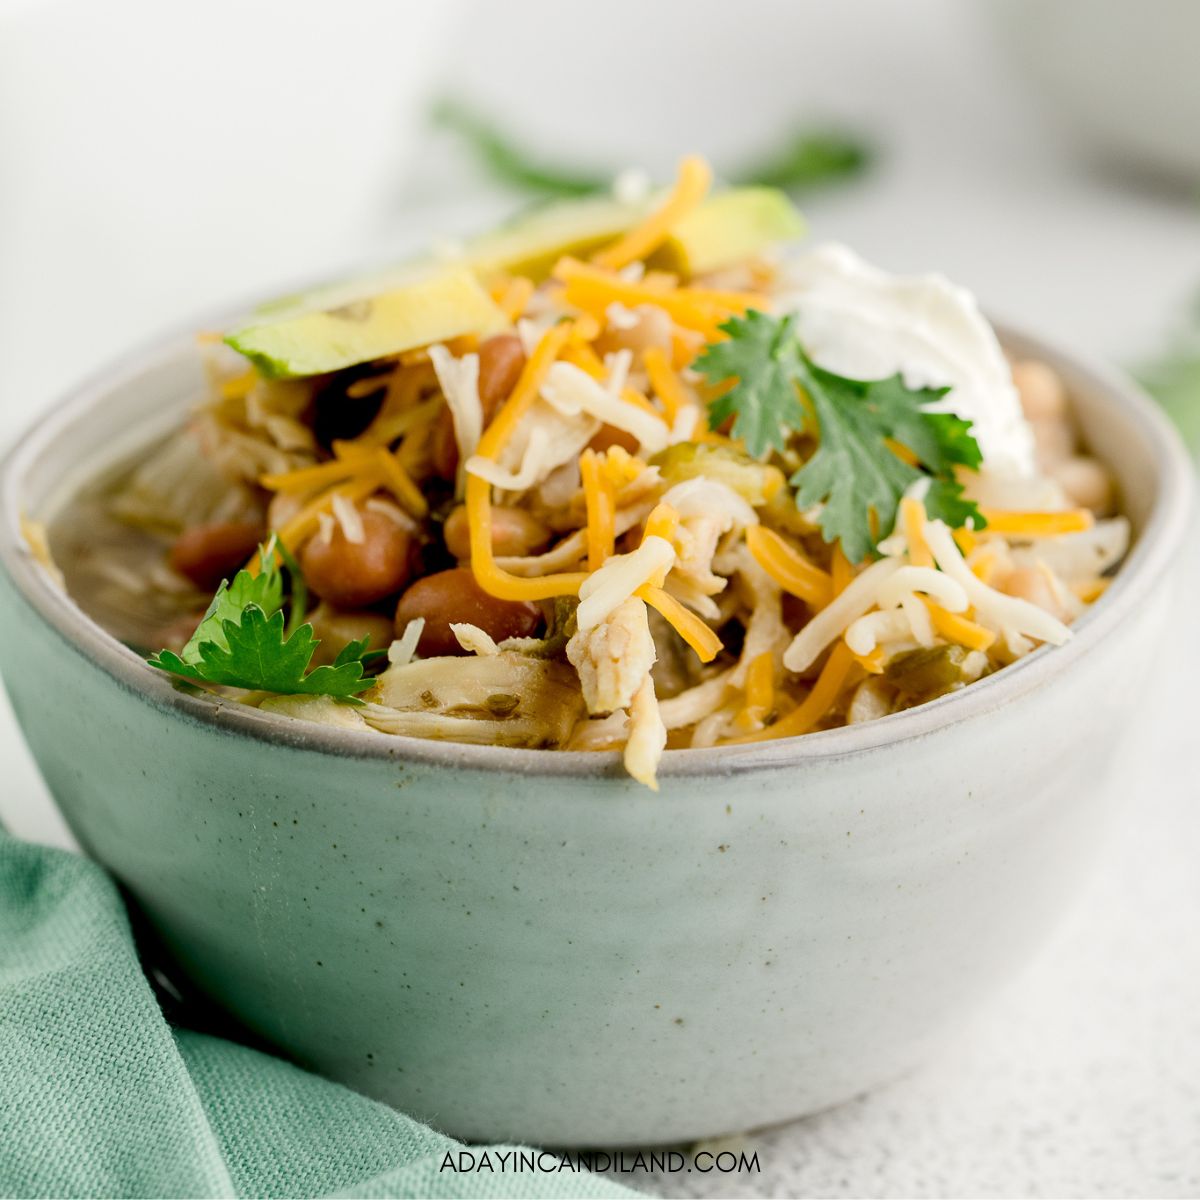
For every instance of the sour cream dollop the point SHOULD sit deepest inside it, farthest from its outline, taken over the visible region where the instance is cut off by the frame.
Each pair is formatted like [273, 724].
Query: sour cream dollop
[864, 323]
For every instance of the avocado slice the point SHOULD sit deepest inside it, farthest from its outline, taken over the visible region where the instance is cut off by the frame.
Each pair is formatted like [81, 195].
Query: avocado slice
[725, 228]
[728, 227]
[344, 324]
[533, 243]
[397, 309]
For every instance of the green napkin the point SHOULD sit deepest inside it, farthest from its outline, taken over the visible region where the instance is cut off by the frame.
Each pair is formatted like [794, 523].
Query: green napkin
[99, 1096]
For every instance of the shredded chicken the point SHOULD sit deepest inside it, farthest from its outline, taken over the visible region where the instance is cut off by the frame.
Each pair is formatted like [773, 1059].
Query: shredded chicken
[613, 658]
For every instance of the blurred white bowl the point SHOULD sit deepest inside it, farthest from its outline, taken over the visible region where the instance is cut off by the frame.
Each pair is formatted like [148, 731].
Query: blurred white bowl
[1121, 73]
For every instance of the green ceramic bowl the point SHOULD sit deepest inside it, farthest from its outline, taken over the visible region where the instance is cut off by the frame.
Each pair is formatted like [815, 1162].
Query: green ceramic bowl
[526, 945]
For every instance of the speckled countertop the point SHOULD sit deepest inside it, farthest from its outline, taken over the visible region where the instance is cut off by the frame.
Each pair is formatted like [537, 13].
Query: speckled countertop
[1083, 1078]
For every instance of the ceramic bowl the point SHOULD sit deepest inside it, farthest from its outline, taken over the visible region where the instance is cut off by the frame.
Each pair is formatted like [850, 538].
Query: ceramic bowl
[526, 945]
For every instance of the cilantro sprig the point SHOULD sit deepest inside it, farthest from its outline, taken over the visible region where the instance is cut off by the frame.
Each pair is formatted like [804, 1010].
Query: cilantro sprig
[867, 431]
[242, 640]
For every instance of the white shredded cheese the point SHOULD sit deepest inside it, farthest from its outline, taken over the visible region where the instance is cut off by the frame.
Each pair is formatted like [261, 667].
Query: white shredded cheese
[473, 639]
[400, 652]
[571, 390]
[459, 381]
[861, 595]
[936, 585]
[1005, 613]
[349, 519]
[620, 576]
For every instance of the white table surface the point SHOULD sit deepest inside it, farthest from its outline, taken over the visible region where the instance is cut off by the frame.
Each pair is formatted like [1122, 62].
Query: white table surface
[1084, 1077]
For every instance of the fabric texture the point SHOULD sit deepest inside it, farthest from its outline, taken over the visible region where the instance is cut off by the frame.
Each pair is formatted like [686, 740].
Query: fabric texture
[100, 1096]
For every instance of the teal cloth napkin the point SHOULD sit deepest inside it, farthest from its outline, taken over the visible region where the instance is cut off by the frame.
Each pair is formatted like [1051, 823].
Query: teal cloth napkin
[99, 1096]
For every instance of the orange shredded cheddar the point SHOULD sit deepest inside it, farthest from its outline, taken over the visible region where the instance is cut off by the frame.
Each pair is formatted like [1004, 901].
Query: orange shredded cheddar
[634, 397]
[620, 467]
[760, 692]
[493, 579]
[902, 452]
[816, 704]
[983, 565]
[690, 627]
[366, 387]
[788, 567]
[667, 385]
[662, 522]
[601, 516]
[398, 481]
[871, 663]
[585, 358]
[305, 478]
[841, 570]
[964, 539]
[1038, 524]
[238, 388]
[593, 290]
[515, 296]
[691, 186]
[954, 627]
[912, 521]
[304, 524]
[1089, 591]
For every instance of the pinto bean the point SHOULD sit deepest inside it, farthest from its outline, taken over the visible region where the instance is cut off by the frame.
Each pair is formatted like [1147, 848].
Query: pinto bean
[514, 531]
[208, 553]
[454, 597]
[610, 435]
[501, 361]
[356, 574]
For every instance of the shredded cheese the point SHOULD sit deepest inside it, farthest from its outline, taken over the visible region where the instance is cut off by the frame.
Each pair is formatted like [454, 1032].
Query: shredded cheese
[601, 514]
[788, 567]
[997, 609]
[668, 387]
[690, 627]
[593, 290]
[818, 702]
[490, 577]
[840, 569]
[759, 692]
[912, 522]
[956, 628]
[691, 186]
[859, 597]
[619, 578]
[1038, 524]
[397, 480]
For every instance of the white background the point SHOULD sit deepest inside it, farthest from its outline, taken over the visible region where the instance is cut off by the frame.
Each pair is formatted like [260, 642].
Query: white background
[156, 160]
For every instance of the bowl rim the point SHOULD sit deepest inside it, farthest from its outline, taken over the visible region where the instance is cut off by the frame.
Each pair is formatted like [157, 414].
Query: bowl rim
[1150, 558]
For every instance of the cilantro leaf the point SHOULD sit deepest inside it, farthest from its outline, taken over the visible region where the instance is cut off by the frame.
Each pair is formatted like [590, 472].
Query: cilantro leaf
[255, 654]
[265, 590]
[867, 430]
[242, 640]
[856, 473]
[763, 355]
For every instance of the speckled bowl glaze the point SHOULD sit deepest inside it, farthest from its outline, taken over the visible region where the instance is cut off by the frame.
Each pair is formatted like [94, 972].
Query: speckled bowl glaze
[527, 945]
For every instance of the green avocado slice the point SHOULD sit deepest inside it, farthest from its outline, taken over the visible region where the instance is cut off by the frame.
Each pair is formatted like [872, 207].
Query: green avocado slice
[413, 305]
[729, 227]
[309, 335]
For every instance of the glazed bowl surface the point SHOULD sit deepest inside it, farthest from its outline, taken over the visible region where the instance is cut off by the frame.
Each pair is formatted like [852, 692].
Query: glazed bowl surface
[526, 945]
